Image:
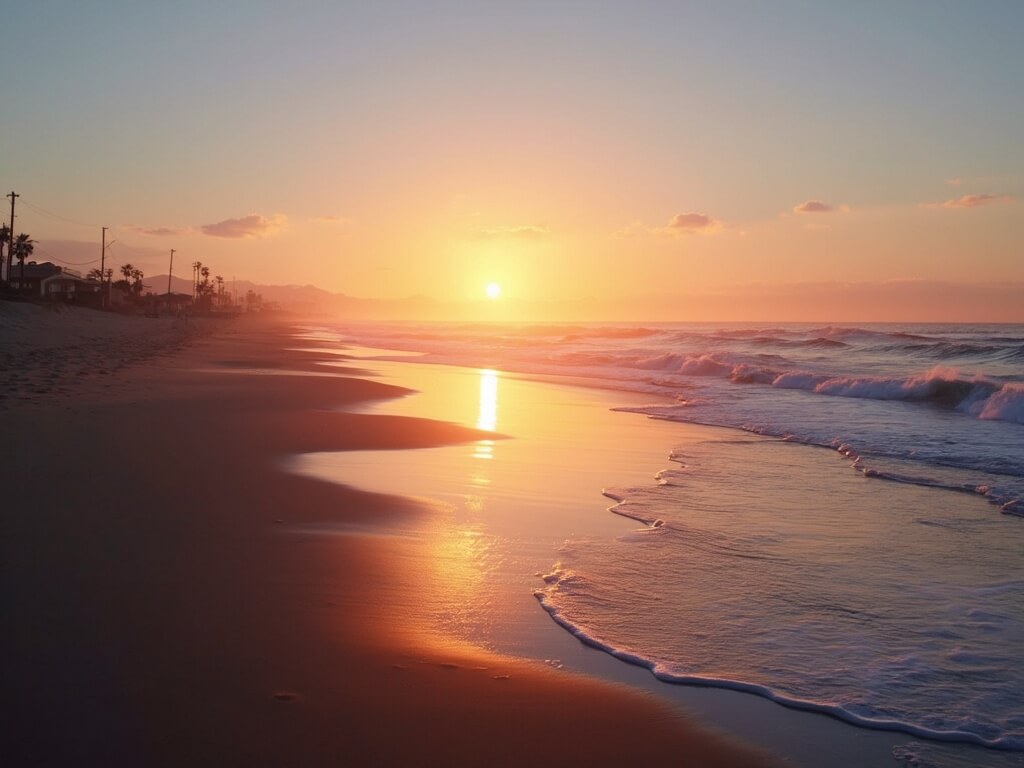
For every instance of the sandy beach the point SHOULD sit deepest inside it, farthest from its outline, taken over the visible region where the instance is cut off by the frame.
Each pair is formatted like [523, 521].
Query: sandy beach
[157, 614]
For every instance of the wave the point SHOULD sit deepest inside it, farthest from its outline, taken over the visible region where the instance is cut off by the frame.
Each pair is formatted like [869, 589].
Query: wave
[610, 333]
[556, 578]
[819, 342]
[747, 333]
[1007, 498]
[848, 332]
[955, 350]
[1004, 404]
[1006, 503]
[978, 397]
[940, 385]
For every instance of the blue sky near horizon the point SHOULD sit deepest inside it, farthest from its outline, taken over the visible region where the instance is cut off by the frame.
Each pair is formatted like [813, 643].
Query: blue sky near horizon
[485, 141]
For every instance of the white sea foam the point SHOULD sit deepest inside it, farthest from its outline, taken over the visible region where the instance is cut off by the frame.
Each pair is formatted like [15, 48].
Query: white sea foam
[661, 672]
[836, 607]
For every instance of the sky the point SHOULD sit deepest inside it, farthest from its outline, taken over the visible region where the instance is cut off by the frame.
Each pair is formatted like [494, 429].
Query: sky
[674, 157]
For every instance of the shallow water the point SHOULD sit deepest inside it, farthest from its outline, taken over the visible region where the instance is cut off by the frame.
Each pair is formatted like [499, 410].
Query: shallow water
[877, 582]
[770, 568]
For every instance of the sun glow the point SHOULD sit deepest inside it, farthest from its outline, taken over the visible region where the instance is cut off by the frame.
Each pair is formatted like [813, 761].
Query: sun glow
[493, 290]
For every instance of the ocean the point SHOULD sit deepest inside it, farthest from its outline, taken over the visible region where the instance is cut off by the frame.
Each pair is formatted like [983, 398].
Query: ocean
[850, 542]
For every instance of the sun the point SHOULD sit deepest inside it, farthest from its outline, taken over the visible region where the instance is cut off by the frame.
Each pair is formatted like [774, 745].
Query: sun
[493, 291]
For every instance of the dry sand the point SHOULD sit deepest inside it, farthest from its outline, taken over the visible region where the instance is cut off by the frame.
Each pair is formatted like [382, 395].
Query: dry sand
[54, 349]
[155, 613]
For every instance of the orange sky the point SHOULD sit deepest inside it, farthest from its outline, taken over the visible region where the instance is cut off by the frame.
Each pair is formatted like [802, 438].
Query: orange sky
[622, 156]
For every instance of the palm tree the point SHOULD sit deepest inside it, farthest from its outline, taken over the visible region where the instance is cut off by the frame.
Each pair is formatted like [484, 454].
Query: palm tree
[5, 240]
[137, 281]
[126, 272]
[23, 248]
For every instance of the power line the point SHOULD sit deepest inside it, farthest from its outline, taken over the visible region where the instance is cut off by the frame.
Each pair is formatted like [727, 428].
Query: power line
[45, 212]
[72, 263]
[10, 239]
[48, 255]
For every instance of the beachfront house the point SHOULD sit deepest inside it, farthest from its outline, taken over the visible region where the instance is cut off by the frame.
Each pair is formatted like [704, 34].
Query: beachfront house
[51, 281]
[167, 303]
[28, 278]
[70, 288]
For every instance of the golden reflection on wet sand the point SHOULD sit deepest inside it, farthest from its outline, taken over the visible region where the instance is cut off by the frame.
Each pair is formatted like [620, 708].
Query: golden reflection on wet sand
[488, 414]
[497, 522]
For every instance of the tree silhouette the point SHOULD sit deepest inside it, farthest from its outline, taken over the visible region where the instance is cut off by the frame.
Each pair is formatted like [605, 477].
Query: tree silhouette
[100, 275]
[23, 248]
[137, 276]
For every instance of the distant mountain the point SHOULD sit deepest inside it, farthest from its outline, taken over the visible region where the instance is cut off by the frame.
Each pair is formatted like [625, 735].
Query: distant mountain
[311, 300]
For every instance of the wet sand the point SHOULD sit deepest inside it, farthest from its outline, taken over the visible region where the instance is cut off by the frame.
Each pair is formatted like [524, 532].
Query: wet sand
[158, 612]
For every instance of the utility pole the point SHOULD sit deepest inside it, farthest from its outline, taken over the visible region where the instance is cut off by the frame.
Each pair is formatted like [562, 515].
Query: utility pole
[10, 237]
[103, 270]
[170, 271]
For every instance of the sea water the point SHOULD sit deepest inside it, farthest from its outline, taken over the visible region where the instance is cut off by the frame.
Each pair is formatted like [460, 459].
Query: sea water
[873, 591]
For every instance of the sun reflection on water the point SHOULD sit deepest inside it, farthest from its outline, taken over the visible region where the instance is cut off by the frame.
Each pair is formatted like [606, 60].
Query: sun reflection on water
[487, 417]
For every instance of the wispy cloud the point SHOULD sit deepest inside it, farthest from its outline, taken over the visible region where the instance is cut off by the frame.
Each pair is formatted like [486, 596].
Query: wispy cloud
[336, 220]
[680, 224]
[814, 206]
[157, 231]
[691, 224]
[522, 232]
[970, 201]
[254, 225]
[954, 182]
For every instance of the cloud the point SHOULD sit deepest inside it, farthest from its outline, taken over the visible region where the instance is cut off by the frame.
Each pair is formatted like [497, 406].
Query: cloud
[814, 206]
[691, 224]
[954, 182]
[338, 220]
[680, 224]
[253, 225]
[157, 231]
[970, 201]
[523, 232]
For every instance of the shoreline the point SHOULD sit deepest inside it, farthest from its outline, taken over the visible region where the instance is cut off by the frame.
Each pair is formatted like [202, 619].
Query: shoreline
[801, 732]
[162, 617]
[803, 737]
